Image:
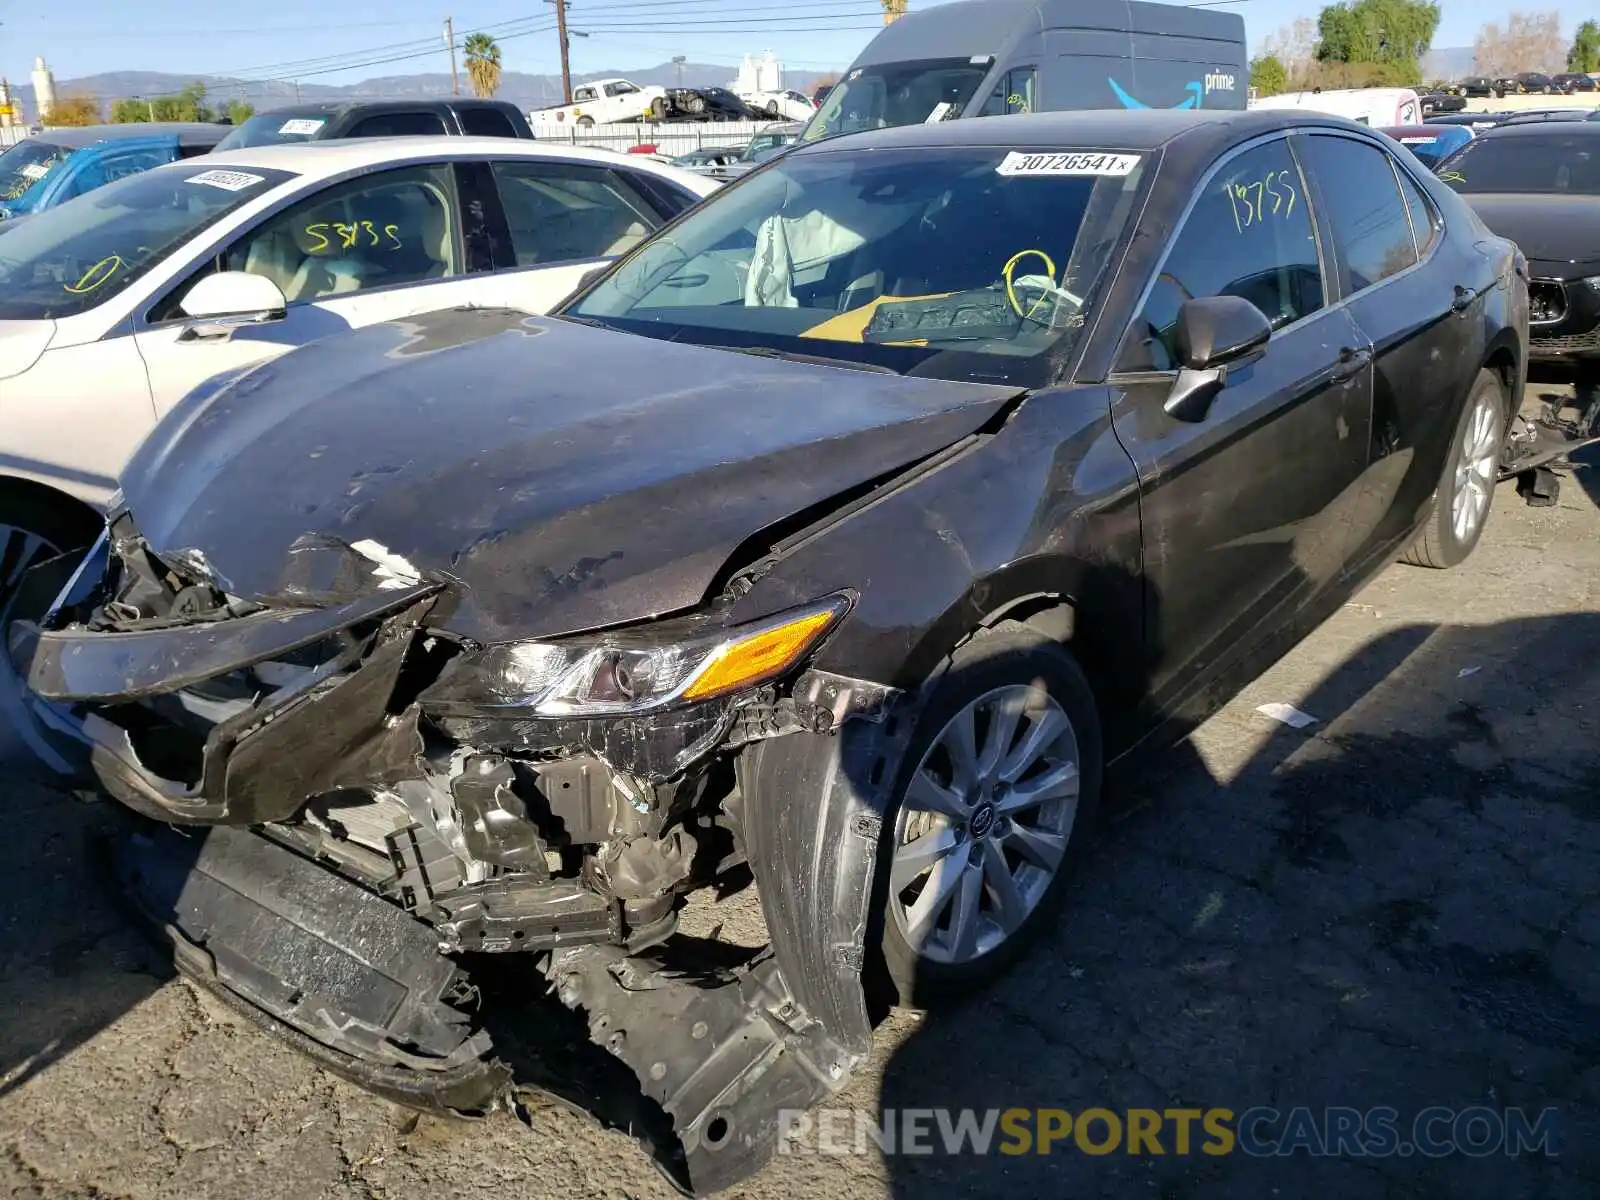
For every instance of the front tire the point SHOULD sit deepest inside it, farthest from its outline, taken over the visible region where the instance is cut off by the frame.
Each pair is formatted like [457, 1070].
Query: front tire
[35, 529]
[992, 809]
[1465, 494]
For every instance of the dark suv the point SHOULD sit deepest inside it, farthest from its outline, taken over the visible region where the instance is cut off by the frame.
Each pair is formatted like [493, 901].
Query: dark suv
[380, 118]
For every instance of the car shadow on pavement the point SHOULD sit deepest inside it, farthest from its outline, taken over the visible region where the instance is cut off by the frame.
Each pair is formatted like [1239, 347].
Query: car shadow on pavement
[1398, 906]
[71, 963]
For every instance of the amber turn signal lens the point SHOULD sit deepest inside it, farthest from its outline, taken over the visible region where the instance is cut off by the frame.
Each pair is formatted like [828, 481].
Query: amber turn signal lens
[760, 656]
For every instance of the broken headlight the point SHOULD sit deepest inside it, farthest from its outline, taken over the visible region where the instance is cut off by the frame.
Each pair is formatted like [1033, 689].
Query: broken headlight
[631, 672]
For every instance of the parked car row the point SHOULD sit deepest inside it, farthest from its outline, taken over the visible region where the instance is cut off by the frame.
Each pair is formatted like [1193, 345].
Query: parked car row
[529, 540]
[1526, 83]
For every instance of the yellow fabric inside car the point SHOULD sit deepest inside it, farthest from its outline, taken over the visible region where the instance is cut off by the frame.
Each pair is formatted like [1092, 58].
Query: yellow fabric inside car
[852, 326]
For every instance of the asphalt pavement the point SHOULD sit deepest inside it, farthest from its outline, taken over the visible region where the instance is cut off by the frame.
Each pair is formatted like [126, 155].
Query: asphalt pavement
[1397, 906]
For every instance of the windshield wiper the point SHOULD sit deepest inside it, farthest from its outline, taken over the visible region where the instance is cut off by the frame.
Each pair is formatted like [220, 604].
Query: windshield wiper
[792, 356]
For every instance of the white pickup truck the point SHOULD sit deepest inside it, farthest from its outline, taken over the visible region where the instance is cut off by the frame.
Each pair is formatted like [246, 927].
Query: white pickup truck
[789, 104]
[608, 102]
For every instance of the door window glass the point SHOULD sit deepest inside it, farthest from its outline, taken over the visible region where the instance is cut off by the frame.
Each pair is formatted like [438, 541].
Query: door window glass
[1249, 235]
[486, 122]
[400, 124]
[96, 169]
[1013, 94]
[558, 213]
[1422, 223]
[1371, 227]
[378, 231]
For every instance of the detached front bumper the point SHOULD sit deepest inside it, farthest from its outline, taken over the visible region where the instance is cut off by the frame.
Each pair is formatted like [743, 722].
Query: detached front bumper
[339, 923]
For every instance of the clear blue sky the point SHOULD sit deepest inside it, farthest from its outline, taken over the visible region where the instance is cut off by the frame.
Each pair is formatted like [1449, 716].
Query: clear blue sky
[336, 42]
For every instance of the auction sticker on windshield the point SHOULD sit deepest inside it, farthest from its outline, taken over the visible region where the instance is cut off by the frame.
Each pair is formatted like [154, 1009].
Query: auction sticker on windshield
[301, 127]
[1090, 163]
[232, 181]
[35, 171]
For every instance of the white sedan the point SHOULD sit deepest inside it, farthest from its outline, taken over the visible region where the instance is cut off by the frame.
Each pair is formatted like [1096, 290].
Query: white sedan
[114, 306]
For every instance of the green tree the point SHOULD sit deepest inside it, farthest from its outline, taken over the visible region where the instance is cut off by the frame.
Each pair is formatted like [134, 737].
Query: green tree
[1394, 33]
[1585, 53]
[1268, 76]
[130, 112]
[73, 110]
[483, 64]
[240, 111]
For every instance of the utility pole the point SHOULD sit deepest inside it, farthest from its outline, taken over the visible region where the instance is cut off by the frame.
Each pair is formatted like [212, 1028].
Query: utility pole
[566, 66]
[450, 40]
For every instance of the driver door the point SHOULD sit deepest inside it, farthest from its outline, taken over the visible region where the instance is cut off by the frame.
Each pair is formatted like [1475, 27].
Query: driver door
[1245, 511]
[353, 254]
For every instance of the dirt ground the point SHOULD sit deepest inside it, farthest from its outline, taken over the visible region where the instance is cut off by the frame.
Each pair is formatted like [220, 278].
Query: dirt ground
[1399, 905]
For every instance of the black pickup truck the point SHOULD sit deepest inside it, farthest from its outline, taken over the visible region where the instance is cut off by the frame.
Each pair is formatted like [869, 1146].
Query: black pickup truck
[380, 118]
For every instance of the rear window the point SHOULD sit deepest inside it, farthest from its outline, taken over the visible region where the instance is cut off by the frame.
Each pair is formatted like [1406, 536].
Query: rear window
[400, 124]
[487, 122]
[1544, 164]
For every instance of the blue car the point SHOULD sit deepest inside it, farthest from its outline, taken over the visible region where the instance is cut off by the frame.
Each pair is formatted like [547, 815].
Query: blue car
[1431, 144]
[56, 165]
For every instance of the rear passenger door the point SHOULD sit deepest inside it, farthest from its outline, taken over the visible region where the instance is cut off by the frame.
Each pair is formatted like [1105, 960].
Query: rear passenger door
[561, 220]
[1241, 512]
[1385, 236]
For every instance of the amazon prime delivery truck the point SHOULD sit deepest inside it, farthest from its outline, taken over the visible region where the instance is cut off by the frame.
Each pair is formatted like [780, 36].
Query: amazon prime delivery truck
[979, 58]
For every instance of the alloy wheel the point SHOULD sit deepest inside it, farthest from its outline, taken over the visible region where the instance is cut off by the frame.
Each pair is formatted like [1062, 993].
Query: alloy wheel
[20, 551]
[985, 823]
[1476, 468]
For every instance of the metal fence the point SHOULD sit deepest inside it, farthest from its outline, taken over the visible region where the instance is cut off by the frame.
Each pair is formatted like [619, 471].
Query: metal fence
[676, 138]
[10, 135]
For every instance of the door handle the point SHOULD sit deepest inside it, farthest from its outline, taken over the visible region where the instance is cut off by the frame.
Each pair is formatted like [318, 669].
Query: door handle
[1351, 363]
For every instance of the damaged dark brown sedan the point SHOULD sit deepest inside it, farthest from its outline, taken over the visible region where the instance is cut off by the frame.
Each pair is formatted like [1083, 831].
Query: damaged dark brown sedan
[839, 536]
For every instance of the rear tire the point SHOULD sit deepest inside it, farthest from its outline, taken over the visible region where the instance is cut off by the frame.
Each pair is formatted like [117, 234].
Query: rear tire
[1465, 495]
[1013, 822]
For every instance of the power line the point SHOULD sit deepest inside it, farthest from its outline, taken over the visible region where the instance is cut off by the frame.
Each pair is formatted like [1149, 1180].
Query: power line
[518, 27]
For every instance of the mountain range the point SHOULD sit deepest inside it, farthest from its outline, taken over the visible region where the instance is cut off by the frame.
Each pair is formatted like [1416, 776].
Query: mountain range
[525, 91]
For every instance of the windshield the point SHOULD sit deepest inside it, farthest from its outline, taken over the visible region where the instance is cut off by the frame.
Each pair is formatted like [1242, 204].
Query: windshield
[970, 264]
[69, 259]
[24, 166]
[274, 129]
[893, 94]
[1544, 164]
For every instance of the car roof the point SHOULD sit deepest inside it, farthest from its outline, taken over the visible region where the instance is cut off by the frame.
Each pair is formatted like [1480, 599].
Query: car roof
[188, 132]
[339, 156]
[1141, 129]
[1569, 128]
[310, 107]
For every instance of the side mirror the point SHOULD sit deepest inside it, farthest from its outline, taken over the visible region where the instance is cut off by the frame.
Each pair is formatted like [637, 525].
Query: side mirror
[234, 298]
[1214, 333]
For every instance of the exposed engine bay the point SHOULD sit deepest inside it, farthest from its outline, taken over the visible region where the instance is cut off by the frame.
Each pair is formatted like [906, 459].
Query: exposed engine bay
[436, 831]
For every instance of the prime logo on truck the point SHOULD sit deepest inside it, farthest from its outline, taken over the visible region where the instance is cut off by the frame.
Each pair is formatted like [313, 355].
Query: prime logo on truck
[977, 58]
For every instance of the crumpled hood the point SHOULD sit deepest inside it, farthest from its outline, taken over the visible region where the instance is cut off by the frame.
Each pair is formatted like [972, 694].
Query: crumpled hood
[558, 477]
[21, 344]
[1551, 230]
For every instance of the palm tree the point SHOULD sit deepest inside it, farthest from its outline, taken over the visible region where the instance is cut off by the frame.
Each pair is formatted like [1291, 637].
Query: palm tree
[893, 10]
[483, 64]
